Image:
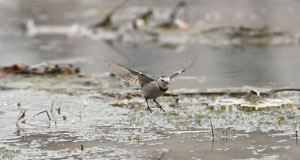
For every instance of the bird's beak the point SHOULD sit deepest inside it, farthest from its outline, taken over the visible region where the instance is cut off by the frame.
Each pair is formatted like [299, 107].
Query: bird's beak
[169, 83]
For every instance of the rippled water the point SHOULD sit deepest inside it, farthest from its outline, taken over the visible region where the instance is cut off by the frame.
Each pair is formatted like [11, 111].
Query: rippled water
[224, 66]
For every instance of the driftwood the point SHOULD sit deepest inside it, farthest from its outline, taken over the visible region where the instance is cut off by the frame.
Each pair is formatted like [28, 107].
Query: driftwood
[233, 94]
[273, 91]
[221, 93]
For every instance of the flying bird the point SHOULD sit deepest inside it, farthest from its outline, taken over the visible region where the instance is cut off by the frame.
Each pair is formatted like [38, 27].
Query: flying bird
[149, 87]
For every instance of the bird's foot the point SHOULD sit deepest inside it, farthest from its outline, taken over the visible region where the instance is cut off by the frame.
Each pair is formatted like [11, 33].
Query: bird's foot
[162, 109]
[150, 110]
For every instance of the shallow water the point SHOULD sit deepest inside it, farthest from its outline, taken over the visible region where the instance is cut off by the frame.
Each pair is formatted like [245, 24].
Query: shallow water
[90, 118]
[224, 66]
[217, 66]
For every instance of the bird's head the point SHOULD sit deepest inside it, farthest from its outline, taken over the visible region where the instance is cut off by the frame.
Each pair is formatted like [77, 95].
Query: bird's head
[164, 82]
[254, 92]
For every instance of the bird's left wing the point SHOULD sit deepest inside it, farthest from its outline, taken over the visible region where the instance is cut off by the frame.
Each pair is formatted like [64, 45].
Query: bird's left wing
[187, 66]
[127, 74]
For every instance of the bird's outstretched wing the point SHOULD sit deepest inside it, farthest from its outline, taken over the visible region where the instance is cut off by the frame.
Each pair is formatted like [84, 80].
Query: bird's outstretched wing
[127, 74]
[187, 66]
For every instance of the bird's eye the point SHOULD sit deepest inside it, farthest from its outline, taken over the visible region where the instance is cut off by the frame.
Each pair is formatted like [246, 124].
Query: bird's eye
[163, 80]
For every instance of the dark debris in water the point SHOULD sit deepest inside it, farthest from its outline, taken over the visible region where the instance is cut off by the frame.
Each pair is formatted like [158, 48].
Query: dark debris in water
[249, 36]
[39, 69]
[248, 32]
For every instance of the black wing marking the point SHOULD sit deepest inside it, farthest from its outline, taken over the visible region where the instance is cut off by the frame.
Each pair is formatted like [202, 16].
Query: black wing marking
[187, 66]
[127, 74]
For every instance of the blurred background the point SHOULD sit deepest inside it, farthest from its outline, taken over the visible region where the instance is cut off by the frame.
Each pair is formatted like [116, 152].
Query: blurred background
[238, 43]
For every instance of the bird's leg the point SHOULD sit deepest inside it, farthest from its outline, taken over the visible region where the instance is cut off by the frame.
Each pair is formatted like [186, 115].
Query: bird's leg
[159, 105]
[148, 108]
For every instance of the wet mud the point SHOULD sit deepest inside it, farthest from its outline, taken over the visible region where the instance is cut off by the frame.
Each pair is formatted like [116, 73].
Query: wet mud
[83, 121]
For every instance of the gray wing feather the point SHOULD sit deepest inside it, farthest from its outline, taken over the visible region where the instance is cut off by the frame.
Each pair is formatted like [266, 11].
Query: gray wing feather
[127, 74]
[187, 66]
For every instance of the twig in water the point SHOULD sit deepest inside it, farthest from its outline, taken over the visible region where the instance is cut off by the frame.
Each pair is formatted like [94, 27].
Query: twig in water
[58, 110]
[296, 137]
[43, 112]
[81, 147]
[21, 115]
[213, 136]
[212, 145]
[212, 130]
[223, 132]
[51, 108]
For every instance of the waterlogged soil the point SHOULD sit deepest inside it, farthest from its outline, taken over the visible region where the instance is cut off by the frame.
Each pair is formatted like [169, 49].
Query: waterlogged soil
[100, 117]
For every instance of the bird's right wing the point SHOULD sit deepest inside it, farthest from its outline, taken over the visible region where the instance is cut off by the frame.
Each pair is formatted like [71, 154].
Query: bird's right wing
[174, 12]
[127, 74]
[187, 66]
